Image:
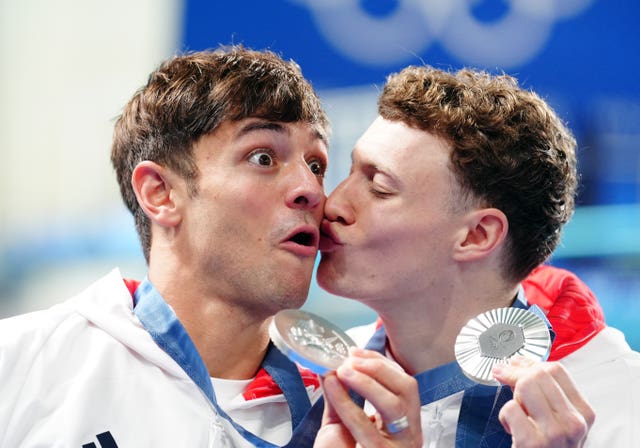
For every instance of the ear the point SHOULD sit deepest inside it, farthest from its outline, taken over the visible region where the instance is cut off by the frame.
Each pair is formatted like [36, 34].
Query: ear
[154, 186]
[483, 233]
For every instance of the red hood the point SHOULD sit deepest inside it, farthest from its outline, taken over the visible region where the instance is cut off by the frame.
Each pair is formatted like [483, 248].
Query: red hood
[570, 306]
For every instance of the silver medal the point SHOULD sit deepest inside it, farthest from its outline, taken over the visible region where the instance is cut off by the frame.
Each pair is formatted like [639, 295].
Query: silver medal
[310, 340]
[497, 335]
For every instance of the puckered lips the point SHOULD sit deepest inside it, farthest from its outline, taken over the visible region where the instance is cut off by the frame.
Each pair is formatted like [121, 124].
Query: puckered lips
[303, 241]
[329, 241]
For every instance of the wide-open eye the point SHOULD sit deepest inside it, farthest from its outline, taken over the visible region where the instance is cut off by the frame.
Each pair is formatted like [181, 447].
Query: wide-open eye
[317, 167]
[262, 157]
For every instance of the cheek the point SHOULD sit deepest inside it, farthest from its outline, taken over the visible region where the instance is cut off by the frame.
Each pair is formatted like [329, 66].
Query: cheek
[406, 238]
[384, 229]
[377, 246]
[229, 202]
[218, 220]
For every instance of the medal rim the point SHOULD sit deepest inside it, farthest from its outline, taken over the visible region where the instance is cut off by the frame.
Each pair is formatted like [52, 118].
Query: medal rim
[290, 351]
[469, 335]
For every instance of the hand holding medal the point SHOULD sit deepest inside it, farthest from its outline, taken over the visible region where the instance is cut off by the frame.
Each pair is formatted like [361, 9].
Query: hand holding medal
[506, 346]
[320, 346]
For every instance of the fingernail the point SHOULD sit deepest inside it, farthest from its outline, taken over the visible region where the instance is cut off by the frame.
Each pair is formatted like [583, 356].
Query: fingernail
[345, 371]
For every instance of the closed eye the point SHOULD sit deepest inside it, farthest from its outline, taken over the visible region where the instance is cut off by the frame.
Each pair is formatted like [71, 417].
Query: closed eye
[379, 193]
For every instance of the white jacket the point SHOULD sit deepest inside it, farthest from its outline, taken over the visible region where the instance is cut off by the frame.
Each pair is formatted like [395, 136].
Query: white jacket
[88, 367]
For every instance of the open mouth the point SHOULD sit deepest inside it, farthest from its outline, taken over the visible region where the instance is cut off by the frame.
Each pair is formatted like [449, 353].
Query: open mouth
[304, 239]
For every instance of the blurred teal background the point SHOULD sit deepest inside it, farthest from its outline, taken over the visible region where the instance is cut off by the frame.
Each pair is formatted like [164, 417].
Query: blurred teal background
[69, 66]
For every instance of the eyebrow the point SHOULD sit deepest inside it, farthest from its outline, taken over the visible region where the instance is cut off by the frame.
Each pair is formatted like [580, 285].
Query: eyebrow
[260, 125]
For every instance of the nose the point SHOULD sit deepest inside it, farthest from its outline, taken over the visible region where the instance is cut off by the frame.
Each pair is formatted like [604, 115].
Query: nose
[307, 192]
[337, 207]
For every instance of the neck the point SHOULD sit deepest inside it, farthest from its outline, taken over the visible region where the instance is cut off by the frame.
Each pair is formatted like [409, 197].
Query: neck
[420, 344]
[231, 340]
[422, 331]
[231, 344]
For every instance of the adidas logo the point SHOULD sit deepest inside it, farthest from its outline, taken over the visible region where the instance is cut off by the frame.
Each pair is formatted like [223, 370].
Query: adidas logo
[105, 440]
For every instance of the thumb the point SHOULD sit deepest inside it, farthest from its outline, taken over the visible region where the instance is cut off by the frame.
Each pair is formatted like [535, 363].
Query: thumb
[509, 373]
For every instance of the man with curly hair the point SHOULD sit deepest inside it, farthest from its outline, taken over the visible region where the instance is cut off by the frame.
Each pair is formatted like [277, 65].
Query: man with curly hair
[457, 194]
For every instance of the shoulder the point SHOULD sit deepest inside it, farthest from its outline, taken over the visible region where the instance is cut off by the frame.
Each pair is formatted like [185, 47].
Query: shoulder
[607, 372]
[606, 351]
[65, 357]
[26, 330]
[25, 341]
[25, 338]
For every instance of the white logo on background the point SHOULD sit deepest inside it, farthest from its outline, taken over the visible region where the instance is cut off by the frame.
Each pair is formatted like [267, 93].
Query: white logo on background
[414, 25]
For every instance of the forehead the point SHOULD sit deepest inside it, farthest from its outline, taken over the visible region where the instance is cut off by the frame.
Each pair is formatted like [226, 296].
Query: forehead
[257, 131]
[248, 127]
[396, 147]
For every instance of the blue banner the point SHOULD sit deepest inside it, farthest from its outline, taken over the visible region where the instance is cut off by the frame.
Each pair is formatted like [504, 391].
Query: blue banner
[581, 47]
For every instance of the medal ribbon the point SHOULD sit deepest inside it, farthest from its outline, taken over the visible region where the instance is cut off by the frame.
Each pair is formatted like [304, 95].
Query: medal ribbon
[166, 330]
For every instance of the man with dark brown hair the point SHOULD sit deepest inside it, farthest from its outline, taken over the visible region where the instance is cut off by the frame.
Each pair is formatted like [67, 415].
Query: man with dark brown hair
[220, 158]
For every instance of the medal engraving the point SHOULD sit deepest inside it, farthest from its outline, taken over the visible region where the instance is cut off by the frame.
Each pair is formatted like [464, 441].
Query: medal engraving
[497, 335]
[310, 340]
[320, 341]
[501, 341]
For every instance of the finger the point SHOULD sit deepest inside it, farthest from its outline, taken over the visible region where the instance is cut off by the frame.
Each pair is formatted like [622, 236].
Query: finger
[512, 416]
[561, 376]
[329, 414]
[344, 410]
[363, 353]
[384, 371]
[509, 373]
[526, 433]
[392, 403]
[543, 399]
[569, 388]
[333, 436]
[378, 380]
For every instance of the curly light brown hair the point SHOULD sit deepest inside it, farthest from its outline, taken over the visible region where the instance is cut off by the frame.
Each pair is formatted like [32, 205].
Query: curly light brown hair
[189, 96]
[510, 151]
